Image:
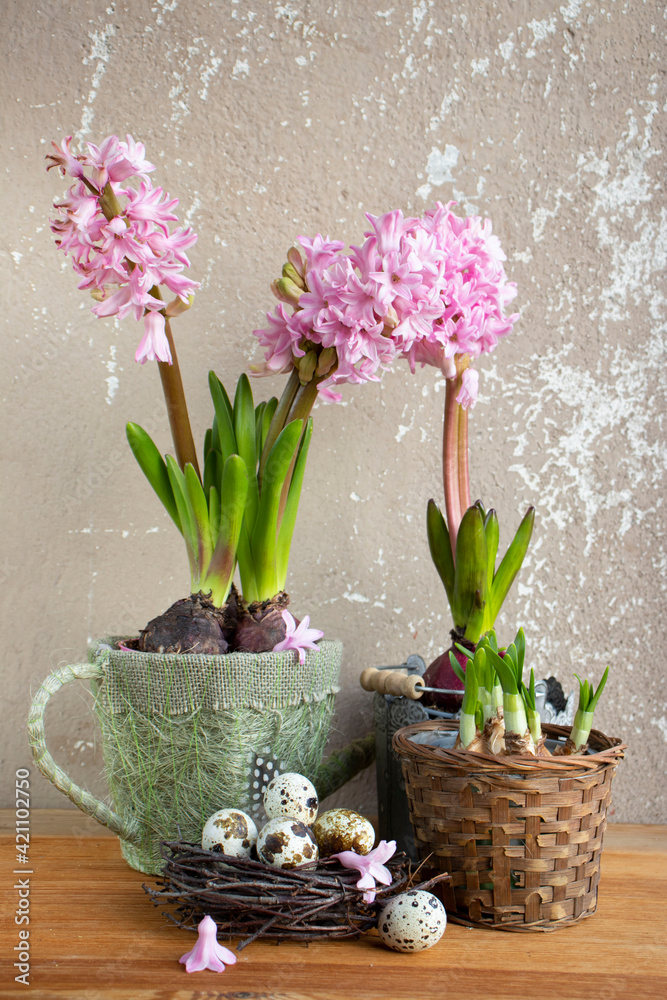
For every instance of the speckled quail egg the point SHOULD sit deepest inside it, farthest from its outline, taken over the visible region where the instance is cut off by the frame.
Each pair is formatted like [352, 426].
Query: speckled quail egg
[413, 921]
[286, 843]
[230, 831]
[343, 830]
[291, 795]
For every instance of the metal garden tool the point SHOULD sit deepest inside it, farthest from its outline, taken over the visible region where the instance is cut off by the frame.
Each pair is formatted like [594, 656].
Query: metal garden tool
[397, 682]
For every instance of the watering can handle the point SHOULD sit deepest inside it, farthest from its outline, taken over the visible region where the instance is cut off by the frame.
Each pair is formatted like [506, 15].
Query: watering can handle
[392, 682]
[86, 802]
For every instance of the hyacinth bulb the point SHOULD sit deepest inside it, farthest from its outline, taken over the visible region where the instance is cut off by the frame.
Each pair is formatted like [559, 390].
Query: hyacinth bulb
[440, 674]
[260, 625]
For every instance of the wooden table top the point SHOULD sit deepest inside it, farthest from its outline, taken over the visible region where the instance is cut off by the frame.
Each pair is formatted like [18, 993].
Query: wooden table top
[94, 935]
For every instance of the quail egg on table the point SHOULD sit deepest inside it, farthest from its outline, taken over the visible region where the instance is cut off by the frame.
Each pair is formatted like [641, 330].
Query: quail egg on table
[343, 830]
[230, 831]
[413, 921]
[284, 842]
[292, 795]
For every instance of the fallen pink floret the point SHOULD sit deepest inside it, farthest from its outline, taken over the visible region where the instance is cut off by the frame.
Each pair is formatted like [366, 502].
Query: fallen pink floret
[207, 953]
[370, 866]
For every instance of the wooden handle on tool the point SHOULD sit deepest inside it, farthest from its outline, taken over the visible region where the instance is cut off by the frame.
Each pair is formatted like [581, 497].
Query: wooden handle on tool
[392, 682]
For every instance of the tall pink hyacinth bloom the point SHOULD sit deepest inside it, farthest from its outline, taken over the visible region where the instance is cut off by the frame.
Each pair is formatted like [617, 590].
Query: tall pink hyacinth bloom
[427, 290]
[118, 236]
[430, 290]
[207, 953]
[120, 244]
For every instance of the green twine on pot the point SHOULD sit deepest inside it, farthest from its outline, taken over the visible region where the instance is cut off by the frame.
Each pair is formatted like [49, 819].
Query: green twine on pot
[182, 734]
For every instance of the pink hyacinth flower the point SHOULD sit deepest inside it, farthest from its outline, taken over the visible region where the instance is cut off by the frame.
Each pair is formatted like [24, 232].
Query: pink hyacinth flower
[154, 343]
[298, 637]
[467, 396]
[371, 867]
[66, 161]
[207, 953]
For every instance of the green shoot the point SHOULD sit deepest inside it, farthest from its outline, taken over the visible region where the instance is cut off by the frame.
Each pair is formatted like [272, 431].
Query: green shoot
[583, 719]
[468, 724]
[514, 711]
[533, 716]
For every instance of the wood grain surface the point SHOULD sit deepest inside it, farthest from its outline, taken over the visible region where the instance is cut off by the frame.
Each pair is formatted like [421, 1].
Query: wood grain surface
[94, 935]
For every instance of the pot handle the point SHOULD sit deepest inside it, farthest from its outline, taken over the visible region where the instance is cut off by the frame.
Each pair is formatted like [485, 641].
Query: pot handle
[86, 802]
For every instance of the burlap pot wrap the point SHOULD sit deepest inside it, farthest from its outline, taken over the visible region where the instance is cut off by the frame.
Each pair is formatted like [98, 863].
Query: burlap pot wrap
[184, 735]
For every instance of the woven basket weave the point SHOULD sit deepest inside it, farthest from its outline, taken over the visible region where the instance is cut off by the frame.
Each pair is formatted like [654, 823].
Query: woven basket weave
[520, 836]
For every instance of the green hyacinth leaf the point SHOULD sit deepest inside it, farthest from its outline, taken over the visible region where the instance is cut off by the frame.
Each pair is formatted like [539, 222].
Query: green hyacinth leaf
[440, 547]
[212, 470]
[177, 480]
[286, 527]
[259, 412]
[491, 640]
[470, 590]
[512, 658]
[520, 646]
[592, 701]
[588, 697]
[263, 421]
[511, 563]
[505, 672]
[244, 431]
[215, 435]
[233, 493]
[457, 668]
[154, 468]
[528, 692]
[246, 565]
[492, 535]
[214, 514]
[264, 537]
[224, 416]
[196, 499]
[471, 685]
[208, 442]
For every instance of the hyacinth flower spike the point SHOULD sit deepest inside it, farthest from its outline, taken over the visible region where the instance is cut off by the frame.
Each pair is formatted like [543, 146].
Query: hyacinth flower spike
[207, 953]
[120, 245]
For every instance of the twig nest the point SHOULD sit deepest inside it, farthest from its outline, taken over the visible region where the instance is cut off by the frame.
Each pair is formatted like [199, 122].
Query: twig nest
[230, 831]
[343, 830]
[413, 921]
[286, 843]
[291, 795]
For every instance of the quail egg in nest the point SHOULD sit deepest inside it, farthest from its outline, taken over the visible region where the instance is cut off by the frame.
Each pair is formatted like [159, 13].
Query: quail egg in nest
[286, 843]
[230, 831]
[343, 830]
[292, 795]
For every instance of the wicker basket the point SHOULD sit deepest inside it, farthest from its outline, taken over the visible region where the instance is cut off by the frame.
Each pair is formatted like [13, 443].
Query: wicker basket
[521, 837]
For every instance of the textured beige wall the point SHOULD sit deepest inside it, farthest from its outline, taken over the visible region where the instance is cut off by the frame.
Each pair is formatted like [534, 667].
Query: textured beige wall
[269, 120]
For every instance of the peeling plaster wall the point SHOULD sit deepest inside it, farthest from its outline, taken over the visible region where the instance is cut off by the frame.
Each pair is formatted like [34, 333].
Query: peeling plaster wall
[270, 120]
